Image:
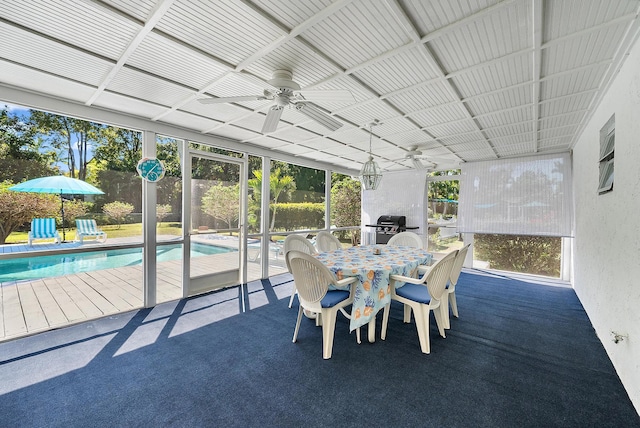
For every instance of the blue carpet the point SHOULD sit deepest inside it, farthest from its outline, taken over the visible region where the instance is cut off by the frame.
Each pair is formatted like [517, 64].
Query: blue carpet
[520, 355]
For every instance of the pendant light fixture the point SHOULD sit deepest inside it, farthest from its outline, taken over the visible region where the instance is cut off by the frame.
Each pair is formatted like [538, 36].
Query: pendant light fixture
[370, 174]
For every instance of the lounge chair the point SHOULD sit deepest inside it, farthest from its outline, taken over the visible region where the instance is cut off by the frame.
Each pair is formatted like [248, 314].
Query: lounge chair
[44, 228]
[88, 228]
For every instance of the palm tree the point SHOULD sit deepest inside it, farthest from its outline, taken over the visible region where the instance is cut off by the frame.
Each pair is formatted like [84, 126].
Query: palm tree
[277, 184]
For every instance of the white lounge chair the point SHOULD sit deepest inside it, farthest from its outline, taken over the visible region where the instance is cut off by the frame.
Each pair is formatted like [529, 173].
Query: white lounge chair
[88, 228]
[44, 228]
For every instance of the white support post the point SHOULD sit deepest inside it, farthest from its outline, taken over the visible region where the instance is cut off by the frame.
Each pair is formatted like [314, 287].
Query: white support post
[264, 217]
[186, 218]
[149, 198]
[327, 199]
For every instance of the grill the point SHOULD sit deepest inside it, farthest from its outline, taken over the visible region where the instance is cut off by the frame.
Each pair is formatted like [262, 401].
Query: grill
[389, 225]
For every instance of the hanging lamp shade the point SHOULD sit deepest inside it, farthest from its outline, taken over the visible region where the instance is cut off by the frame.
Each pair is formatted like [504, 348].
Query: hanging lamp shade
[370, 174]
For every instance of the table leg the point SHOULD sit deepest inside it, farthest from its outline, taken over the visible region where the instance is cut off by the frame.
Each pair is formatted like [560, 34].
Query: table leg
[372, 330]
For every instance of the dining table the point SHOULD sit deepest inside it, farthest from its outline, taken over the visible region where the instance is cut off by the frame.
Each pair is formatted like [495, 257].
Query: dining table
[373, 265]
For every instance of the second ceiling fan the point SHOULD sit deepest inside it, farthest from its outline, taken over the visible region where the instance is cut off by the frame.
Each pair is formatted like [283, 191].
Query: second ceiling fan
[288, 93]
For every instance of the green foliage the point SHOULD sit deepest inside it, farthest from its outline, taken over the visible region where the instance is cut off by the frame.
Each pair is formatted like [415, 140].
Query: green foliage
[62, 133]
[539, 255]
[222, 202]
[22, 156]
[118, 211]
[294, 216]
[162, 211]
[18, 208]
[73, 210]
[277, 184]
[345, 205]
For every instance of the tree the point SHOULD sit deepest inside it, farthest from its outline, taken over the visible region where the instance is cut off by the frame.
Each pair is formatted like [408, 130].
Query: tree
[63, 133]
[120, 149]
[277, 184]
[74, 209]
[345, 205]
[20, 150]
[18, 208]
[222, 202]
[162, 211]
[118, 211]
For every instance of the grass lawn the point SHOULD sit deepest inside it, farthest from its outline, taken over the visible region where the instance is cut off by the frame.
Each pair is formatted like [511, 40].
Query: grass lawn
[113, 231]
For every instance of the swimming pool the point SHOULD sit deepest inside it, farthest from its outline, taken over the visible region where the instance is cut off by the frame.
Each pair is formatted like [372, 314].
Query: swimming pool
[66, 264]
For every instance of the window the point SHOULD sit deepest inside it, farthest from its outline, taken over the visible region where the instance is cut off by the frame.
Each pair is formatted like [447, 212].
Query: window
[607, 146]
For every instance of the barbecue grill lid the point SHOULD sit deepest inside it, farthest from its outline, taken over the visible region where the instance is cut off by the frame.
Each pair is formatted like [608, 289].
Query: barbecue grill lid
[396, 220]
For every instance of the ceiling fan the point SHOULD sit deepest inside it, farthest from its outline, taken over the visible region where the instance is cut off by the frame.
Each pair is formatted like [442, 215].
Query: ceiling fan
[288, 93]
[423, 162]
[415, 156]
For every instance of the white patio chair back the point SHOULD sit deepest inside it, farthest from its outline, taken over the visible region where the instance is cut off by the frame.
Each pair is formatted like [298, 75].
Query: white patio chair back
[407, 239]
[422, 295]
[89, 228]
[312, 280]
[326, 241]
[297, 243]
[450, 299]
[43, 228]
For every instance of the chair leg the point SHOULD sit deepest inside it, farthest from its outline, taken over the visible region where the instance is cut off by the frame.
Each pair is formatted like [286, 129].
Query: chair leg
[454, 304]
[407, 313]
[385, 321]
[293, 294]
[444, 310]
[437, 313]
[328, 330]
[295, 332]
[421, 315]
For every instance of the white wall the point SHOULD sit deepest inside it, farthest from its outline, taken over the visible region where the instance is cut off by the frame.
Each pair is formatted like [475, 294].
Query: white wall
[399, 193]
[607, 243]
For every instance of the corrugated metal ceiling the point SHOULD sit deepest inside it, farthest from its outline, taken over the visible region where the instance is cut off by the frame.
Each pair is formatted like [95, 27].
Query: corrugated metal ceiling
[461, 81]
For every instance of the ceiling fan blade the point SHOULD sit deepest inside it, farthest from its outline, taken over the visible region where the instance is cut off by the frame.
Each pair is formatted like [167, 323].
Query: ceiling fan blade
[272, 119]
[417, 164]
[337, 95]
[232, 99]
[318, 115]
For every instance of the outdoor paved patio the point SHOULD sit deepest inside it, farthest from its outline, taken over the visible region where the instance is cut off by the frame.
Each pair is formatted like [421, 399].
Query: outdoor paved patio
[31, 306]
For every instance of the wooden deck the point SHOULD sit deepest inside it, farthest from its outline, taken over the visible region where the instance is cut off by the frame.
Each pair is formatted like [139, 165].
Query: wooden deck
[28, 307]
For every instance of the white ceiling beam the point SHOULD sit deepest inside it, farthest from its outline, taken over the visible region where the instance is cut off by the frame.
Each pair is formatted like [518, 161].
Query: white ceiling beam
[158, 11]
[536, 26]
[630, 17]
[295, 32]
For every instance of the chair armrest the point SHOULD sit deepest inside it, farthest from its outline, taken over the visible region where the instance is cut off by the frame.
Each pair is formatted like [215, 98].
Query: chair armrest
[402, 278]
[424, 268]
[346, 281]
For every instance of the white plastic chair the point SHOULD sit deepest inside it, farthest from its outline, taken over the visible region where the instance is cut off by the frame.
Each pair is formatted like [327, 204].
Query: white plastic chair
[407, 239]
[450, 291]
[325, 241]
[312, 280]
[422, 295]
[43, 228]
[298, 243]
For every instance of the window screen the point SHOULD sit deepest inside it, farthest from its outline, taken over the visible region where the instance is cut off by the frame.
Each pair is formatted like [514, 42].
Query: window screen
[521, 196]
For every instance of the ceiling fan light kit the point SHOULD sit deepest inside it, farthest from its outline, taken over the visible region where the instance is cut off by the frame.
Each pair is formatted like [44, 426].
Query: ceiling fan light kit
[370, 174]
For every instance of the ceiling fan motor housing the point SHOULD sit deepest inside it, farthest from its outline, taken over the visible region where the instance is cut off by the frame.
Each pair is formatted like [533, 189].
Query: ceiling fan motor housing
[281, 79]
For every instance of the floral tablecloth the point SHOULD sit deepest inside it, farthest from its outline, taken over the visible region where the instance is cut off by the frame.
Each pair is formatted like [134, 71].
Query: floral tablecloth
[373, 271]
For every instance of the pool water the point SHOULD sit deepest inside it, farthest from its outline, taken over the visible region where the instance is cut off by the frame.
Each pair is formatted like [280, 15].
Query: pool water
[66, 264]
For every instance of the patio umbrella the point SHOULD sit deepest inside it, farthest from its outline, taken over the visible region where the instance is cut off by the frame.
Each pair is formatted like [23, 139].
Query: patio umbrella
[59, 185]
